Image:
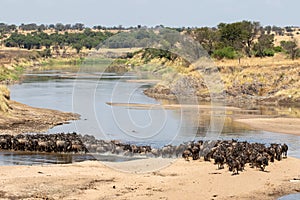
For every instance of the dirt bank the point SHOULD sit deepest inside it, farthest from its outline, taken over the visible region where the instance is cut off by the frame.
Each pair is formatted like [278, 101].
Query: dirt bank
[181, 180]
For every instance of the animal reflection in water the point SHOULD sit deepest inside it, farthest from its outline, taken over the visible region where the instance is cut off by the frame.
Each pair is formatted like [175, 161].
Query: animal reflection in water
[231, 152]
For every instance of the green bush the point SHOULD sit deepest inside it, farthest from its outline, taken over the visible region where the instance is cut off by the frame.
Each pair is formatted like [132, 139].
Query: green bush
[264, 53]
[269, 52]
[226, 52]
[278, 49]
[151, 53]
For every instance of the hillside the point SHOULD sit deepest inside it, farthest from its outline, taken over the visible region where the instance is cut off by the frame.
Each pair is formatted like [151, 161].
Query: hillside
[271, 80]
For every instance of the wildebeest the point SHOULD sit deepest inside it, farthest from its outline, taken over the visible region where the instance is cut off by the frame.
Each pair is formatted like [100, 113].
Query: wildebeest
[262, 162]
[234, 165]
[285, 149]
[186, 154]
[237, 154]
[231, 152]
[219, 160]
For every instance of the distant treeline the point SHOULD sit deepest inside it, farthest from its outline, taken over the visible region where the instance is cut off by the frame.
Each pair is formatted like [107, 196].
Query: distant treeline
[80, 26]
[6, 28]
[37, 40]
[231, 40]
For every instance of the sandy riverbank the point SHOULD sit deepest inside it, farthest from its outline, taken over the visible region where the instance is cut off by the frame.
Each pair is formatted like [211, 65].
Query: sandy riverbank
[277, 125]
[174, 106]
[181, 180]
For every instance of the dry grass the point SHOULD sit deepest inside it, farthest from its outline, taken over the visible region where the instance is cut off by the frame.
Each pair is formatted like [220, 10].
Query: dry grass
[4, 99]
[278, 77]
[279, 38]
[278, 60]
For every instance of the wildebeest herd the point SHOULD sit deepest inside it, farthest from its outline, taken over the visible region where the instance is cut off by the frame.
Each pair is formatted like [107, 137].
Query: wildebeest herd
[233, 153]
[236, 154]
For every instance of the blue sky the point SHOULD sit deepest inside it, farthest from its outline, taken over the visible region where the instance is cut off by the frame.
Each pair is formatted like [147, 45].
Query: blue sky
[175, 13]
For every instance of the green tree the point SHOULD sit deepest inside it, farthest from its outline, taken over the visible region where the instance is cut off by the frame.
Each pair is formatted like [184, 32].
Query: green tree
[78, 26]
[239, 35]
[78, 47]
[208, 38]
[291, 48]
[59, 27]
[264, 46]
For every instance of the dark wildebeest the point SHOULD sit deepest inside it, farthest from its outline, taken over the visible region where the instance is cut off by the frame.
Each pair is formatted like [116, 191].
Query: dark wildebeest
[195, 153]
[219, 160]
[234, 165]
[278, 151]
[262, 162]
[285, 149]
[186, 154]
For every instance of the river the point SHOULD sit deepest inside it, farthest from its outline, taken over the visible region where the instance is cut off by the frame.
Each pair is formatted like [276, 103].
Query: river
[88, 92]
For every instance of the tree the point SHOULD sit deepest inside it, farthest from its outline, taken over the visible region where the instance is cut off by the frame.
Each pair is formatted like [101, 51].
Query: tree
[89, 42]
[268, 29]
[249, 33]
[230, 35]
[289, 29]
[278, 30]
[239, 35]
[264, 46]
[29, 27]
[78, 26]
[59, 27]
[78, 46]
[291, 48]
[42, 27]
[52, 26]
[208, 38]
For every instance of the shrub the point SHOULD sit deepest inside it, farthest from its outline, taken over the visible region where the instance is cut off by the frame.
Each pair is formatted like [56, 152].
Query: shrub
[278, 49]
[269, 52]
[226, 52]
